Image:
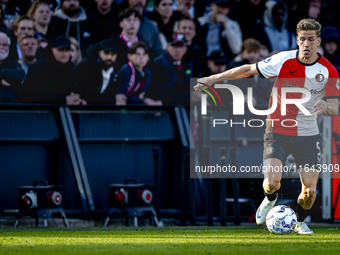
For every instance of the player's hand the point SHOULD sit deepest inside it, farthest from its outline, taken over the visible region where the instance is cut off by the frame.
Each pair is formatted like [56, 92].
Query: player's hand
[205, 80]
[320, 107]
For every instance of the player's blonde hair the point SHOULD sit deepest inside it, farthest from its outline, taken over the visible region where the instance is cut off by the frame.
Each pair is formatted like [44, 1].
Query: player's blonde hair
[308, 24]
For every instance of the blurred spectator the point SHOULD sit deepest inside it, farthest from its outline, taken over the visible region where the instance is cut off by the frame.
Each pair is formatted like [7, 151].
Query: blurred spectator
[71, 20]
[330, 43]
[49, 80]
[264, 52]
[250, 54]
[21, 7]
[172, 73]
[95, 78]
[3, 27]
[186, 26]
[217, 62]
[130, 23]
[333, 18]
[163, 15]
[275, 20]
[294, 14]
[249, 14]
[15, 76]
[28, 47]
[42, 42]
[316, 10]
[219, 32]
[190, 9]
[185, 8]
[148, 29]
[105, 20]
[7, 93]
[41, 15]
[23, 26]
[134, 79]
[76, 57]
[8, 15]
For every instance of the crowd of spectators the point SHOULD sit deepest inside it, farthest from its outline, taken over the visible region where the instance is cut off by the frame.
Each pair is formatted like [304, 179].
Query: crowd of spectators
[145, 52]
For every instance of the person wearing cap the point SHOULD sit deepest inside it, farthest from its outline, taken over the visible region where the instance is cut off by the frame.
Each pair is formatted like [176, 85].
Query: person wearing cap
[95, 77]
[219, 32]
[330, 44]
[172, 73]
[49, 80]
[71, 20]
[217, 62]
[134, 79]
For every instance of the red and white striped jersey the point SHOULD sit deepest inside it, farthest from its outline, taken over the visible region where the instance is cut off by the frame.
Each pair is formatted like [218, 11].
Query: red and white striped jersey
[320, 78]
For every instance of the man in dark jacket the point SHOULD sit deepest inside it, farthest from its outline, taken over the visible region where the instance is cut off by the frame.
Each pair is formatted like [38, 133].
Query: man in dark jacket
[148, 29]
[172, 73]
[104, 20]
[14, 75]
[218, 31]
[186, 26]
[330, 44]
[7, 92]
[71, 20]
[95, 77]
[49, 80]
[129, 21]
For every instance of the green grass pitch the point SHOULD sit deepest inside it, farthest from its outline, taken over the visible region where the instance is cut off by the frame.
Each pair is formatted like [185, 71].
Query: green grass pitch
[168, 240]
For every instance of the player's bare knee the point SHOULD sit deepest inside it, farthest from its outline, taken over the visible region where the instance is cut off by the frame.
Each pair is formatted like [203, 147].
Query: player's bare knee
[272, 185]
[311, 193]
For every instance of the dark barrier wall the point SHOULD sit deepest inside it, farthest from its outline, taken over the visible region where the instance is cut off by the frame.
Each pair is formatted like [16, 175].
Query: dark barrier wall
[28, 146]
[115, 145]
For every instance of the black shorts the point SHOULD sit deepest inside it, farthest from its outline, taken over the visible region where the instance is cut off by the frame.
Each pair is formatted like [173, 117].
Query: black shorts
[306, 150]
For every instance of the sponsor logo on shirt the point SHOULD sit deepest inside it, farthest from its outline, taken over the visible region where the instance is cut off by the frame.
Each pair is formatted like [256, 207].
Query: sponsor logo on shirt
[267, 60]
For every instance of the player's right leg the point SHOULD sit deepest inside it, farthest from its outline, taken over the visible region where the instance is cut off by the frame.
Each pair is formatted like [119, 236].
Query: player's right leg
[271, 183]
[274, 154]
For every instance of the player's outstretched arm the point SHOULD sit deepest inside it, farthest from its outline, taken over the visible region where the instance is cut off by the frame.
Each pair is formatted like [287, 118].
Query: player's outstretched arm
[330, 107]
[232, 74]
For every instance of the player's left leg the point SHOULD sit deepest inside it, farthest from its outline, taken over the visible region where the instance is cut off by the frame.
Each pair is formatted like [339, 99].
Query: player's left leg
[309, 180]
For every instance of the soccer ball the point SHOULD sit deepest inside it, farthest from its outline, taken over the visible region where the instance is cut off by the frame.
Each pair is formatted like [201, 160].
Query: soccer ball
[281, 220]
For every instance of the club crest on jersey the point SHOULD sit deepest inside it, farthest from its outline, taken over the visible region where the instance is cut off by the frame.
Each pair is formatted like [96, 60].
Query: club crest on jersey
[337, 84]
[319, 77]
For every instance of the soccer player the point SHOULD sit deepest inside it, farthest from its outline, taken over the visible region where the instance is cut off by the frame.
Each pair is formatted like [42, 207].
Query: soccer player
[302, 68]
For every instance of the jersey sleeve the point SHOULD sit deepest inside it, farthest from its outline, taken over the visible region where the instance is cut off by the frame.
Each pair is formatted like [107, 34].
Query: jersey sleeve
[332, 85]
[270, 67]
